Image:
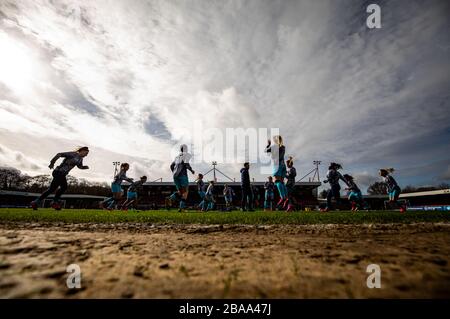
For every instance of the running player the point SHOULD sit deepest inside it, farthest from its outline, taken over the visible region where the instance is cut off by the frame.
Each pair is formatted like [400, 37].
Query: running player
[291, 174]
[201, 188]
[116, 187]
[132, 198]
[333, 177]
[209, 197]
[228, 195]
[269, 197]
[179, 168]
[393, 189]
[256, 196]
[354, 193]
[277, 152]
[59, 182]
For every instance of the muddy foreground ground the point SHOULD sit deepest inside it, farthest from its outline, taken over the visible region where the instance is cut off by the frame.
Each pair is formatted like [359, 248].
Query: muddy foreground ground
[198, 261]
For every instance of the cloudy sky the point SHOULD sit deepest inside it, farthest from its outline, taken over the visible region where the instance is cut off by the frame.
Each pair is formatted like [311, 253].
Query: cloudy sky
[129, 79]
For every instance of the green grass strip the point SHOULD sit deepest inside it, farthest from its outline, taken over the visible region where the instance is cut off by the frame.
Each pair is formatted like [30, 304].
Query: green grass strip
[235, 217]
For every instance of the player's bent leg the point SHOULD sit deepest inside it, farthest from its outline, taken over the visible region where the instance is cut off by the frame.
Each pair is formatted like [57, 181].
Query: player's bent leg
[53, 186]
[183, 196]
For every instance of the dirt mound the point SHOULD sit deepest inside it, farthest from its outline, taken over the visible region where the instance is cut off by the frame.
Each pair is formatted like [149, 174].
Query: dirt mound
[231, 261]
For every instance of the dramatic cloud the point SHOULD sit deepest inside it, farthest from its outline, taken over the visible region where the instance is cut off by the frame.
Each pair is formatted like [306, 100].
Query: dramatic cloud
[131, 78]
[446, 175]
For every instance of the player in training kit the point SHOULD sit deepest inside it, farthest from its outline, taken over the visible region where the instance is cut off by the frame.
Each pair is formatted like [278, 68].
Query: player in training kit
[269, 196]
[393, 189]
[291, 174]
[277, 152]
[228, 195]
[354, 193]
[116, 187]
[209, 197]
[179, 168]
[201, 188]
[247, 194]
[333, 177]
[59, 182]
[256, 196]
[132, 198]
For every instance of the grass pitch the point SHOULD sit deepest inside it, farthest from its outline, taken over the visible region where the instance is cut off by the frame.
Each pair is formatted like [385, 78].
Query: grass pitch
[236, 217]
[161, 254]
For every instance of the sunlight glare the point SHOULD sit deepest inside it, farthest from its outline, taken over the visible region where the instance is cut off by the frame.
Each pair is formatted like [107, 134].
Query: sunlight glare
[15, 64]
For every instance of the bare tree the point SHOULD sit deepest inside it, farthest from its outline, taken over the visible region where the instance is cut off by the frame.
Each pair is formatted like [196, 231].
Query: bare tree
[39, 182]
[10, 177]
[377, 188]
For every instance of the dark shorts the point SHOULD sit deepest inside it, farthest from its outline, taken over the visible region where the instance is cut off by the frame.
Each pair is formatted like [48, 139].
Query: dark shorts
[280, 170]
[181, 181]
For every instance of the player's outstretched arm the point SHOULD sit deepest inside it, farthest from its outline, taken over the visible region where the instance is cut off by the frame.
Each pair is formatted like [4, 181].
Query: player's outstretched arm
[189, 167]
[268, 148]
[343, 179]
[54, 159]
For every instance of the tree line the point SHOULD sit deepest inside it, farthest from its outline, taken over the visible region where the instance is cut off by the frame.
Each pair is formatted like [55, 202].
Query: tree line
[14, 180]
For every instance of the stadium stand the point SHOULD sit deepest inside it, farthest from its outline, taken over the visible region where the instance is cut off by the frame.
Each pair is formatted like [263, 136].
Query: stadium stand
[429, 200]
[154, 194]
